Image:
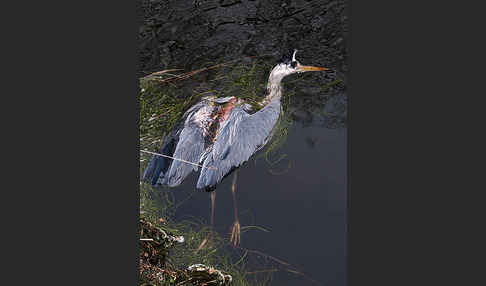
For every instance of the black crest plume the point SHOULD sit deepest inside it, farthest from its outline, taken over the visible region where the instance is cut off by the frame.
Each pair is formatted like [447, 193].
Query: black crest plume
[287, 57]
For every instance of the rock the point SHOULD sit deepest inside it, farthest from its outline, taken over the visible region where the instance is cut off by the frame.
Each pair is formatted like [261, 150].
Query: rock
[207, 275]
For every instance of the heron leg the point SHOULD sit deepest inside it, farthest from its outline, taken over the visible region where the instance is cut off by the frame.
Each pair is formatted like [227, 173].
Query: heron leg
[213, 199]
[235, 233]
[212, 196]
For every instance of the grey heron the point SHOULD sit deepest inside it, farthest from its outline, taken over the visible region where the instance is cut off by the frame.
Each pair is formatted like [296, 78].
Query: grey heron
[219, 135]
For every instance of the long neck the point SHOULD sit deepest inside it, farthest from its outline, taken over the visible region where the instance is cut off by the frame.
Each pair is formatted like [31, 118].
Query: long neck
[274, 87]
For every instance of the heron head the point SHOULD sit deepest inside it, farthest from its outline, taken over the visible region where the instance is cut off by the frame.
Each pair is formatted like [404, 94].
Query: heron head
[290, 65]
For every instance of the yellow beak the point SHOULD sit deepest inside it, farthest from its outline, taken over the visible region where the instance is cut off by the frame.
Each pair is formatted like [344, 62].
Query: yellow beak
[311, 68]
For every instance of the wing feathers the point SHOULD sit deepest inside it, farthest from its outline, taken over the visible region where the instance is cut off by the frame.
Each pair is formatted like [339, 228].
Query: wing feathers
[239, 138]
[186, 143]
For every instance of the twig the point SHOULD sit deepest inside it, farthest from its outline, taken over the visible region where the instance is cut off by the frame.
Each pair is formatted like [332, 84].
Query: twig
[161, 72]
[254, 226]
[184, 282]
[261, 271]
[266, 255]
[294, 270]
[146, 239]
[173, 158]
[191, 73]
[242, 257]
[304, 275]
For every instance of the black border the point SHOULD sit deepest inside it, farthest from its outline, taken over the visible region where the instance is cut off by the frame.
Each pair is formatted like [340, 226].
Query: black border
[412, 100]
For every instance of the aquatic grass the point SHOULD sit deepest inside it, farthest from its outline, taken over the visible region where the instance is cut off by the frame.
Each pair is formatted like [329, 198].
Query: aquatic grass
[248, 227]
[326, 87]
[216, 253]
[278, 139]
[244, 80]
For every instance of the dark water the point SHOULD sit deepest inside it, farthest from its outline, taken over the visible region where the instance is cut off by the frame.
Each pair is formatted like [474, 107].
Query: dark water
[305, 207]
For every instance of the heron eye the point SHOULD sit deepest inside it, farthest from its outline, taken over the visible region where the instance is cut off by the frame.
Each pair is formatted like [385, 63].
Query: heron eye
[293, 64]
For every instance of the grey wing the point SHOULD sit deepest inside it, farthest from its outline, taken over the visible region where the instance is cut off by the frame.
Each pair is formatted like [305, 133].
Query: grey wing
[240, 137]
[186, 142]
[190, 146]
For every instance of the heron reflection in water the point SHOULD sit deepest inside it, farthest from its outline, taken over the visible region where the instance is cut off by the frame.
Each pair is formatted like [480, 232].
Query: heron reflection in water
[221, 134]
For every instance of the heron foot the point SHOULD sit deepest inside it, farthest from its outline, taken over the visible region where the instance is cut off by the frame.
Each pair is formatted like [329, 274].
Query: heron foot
[235, 234]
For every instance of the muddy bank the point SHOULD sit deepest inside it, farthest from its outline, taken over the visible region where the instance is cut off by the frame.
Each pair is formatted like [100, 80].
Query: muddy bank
[191, 33]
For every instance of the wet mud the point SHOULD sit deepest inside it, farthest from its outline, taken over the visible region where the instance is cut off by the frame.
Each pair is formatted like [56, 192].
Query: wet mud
[187, 34]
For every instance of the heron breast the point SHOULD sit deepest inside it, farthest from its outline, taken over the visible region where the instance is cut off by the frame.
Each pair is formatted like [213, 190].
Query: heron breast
[203, 118]
[225, 110]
